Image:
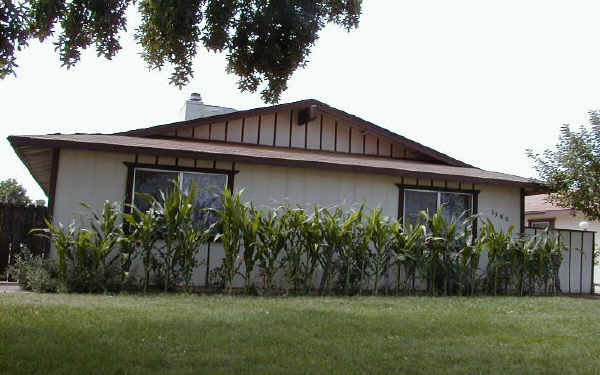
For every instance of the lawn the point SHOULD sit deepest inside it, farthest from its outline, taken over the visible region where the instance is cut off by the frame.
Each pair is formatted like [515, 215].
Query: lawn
[182, 334]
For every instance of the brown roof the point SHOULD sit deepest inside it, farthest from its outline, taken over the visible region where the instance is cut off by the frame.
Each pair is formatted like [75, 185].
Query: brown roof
[538, 204]
[319, 106]
[25, 145]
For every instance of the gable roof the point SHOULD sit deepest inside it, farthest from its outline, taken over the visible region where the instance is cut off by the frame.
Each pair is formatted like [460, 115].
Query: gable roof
[539, 204]
[198, 149]
[319, 106]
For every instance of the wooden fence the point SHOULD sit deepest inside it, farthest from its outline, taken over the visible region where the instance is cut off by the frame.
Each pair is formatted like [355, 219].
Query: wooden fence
[576, 273]
[15, 223]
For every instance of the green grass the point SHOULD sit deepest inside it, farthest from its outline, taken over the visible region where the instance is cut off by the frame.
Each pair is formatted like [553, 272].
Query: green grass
[179, 334]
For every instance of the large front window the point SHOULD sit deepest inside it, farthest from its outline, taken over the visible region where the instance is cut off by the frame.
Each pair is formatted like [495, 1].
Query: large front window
[456, 204]
[208, 185]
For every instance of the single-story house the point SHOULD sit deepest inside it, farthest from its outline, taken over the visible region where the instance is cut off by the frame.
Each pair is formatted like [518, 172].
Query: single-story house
[304, 152]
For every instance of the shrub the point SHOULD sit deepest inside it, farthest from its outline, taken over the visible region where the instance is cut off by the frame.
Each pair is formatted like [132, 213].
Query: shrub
[34, 272]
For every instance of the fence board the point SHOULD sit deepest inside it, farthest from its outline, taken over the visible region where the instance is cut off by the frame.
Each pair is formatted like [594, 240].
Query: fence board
[15, 223]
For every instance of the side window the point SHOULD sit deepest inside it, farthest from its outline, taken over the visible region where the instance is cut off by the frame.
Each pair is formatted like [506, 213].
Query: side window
[456, 204]
[209, 187]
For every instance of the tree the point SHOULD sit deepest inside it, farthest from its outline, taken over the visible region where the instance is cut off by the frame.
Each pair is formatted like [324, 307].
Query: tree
[12, 192]
[265, 40]
[572, 170]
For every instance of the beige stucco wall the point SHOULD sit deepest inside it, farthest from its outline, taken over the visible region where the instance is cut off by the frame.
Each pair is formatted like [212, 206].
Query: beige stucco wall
[94, 177]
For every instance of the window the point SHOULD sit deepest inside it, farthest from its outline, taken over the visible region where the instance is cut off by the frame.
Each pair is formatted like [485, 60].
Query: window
[456, 204]
[541, 223]
[209, 186]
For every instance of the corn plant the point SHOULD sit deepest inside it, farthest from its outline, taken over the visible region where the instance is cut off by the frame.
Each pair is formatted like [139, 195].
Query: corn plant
[250, 221]
[143, 234]
[378, 231]
[270, 244]
[311, 242]
[499, 246]
[407, 246]
[292, 222]
[63, 239]
[231, 234]
[344, 243]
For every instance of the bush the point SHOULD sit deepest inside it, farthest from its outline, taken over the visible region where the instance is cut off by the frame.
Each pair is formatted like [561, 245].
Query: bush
[35, 273]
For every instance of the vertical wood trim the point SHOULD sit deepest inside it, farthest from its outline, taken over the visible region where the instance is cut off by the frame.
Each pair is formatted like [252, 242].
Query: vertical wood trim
[195, 163]
[210, 131]
[259, 128]
[129, 189]
[214, 164]
[194, 132]
[459, 185]
[405, 153]
[581, 266]
[364, 144]
[321, 133]
[417, 182]
[377, 146]
[306, 135]
[592, 287]
[522, 211]
[350, 139]
[176, 134]
[391, 150]
[275, 130]
[335, 135]
[231, 177]
[475, 212]
[53, 180]
[291, 122]
[445, 184]
[177, 162]
[401, 201]
[226, 129]
[570, 243]
[137, 158]
[243, 128]
[156, 160]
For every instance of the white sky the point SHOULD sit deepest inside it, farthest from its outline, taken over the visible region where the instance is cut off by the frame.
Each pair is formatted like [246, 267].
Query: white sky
[481, 82]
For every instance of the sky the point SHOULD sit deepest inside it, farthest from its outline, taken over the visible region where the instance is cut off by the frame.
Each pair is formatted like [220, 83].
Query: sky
[478, 80]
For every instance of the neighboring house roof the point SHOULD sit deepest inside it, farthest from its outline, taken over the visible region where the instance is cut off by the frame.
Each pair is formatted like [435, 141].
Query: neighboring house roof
[265, 155]
[539, 204]
[36, 151]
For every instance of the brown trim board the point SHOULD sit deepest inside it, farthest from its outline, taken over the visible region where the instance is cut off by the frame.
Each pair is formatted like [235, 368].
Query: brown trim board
[88, 145]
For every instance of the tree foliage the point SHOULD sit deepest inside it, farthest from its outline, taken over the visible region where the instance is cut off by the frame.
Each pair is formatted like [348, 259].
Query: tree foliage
[12, 192]
[265, 40]
[572, 170]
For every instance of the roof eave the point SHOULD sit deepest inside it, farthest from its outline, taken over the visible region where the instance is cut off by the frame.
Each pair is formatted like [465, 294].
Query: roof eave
[17, 141]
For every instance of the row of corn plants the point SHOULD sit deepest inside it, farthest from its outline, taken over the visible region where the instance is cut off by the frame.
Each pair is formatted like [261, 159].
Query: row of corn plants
[294, 250]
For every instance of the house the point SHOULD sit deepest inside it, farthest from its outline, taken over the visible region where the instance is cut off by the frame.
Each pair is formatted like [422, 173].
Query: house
[304, 153]
[541, 214]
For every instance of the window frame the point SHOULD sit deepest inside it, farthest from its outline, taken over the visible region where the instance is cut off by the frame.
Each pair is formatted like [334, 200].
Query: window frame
[439, 189]
[439, 196]
[132, 167]
[549, 220]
